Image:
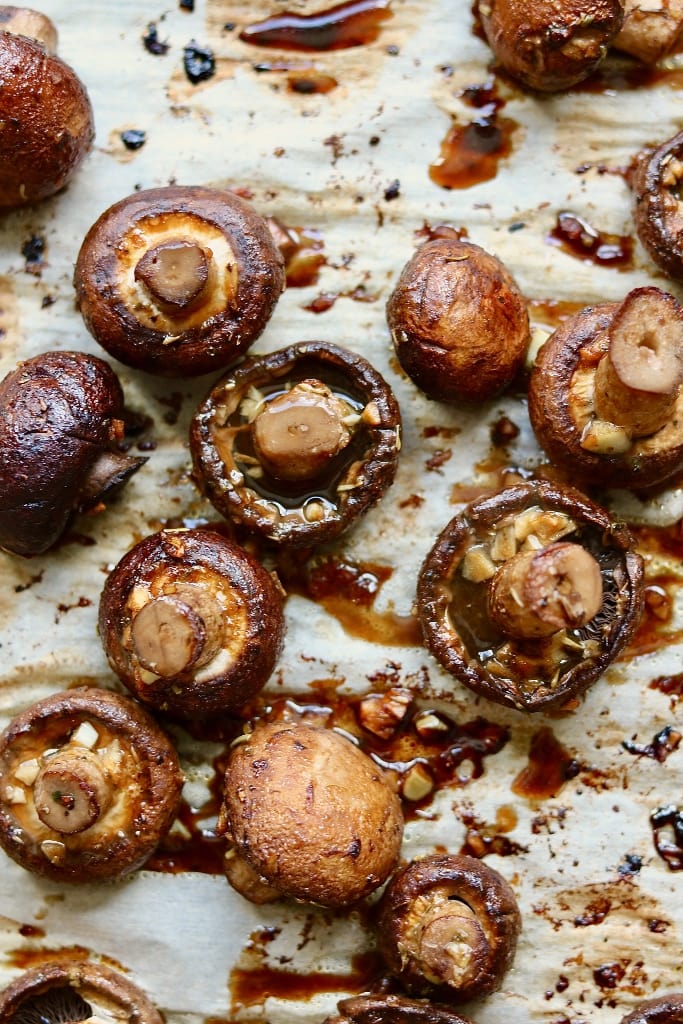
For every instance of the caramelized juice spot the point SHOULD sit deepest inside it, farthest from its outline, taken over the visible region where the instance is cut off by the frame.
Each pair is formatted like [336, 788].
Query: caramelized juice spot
[550, 766]
[576, 237]
[253, 985]
[345, 25]
[470, 153]
[553, 312]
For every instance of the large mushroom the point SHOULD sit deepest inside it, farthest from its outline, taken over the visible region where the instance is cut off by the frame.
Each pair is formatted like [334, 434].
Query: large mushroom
[178, 281]
[296, 445]
[528, 595]
[89, 783]
[309, 816]
[191, 623]
[655, 180]
[448, 928]
[60, 425]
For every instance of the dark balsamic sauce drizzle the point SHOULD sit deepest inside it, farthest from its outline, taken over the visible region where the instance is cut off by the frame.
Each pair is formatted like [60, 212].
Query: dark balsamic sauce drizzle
[346, 25]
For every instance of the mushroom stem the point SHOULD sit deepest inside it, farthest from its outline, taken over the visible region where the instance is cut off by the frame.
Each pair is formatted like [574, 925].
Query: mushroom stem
[638, 380]
[71, 791]
[451, 941]
[175, 273]
[536, 593]
[176, 631]
[22, 21]
[109, 471]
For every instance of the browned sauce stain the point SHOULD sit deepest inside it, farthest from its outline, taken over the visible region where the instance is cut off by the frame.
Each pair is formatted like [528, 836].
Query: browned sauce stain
[471, 152]
[326, 300]
[622, 76]
[576, 237]
[667, 834]
[482, 839]
[595, 912]
[25, 959]
[302, 249]
[672, 686]
[252, 986]
[30, 931]
[355, 23]
[654, 632]
[553, 312]
[608, 976]
[307, 83]
[550, 766]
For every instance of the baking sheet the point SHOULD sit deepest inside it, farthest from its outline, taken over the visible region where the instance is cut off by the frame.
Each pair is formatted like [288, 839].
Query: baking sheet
[308, 159]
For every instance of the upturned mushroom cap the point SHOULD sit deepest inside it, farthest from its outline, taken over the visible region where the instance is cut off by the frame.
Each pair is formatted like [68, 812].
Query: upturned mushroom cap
[656, 185]
[311, 814]
[47, 120]
[458, 321]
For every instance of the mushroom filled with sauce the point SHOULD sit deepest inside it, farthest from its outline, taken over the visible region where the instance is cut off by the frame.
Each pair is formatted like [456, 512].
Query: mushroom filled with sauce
[89, 783]
[393, 1009]
[191, 623]
[296, 445]
[529, 594]
[605, 396]
[68, 991]
[308, 816]
[60, 427]
[45, 112]
[447, 928]
[655, 181]
[178, 281]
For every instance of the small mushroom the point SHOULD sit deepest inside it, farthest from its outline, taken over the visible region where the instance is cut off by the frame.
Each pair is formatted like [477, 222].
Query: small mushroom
[666, 1009]
[178, 281]
[45, 113]
[655, 180]
[447, 928]
[529, 594]
[650, 29]
[550, 46]
[458, 321]
[296, 445]
[191, 623]
[60, 423]
[88, 785]
[313, 817]
[66, 991]
[605, 397]
[393, 1009]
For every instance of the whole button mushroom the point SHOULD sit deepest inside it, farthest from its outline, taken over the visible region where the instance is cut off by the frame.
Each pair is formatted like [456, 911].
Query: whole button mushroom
[178, 281]
[309, 816]
[89, 784]
[72, 990]
[667, 1009]
[529, 594]
[447, 928]
[393, 1009]
[605, 397]
[655, 181]
[296, 445]
[191, 623]
[458, 322]
[47, 120]
[60, 423]
[550, 46]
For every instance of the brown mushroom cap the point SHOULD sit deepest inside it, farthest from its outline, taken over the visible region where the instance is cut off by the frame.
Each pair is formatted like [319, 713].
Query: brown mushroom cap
[666, 1009]
[458, 321]
[532, 673]
[59, 426]
[567, 383]
[448, 927]
[178, 281]
[191, 623]
[349, 475]
[392, 1009]
[656, 184]
[650, 31]
[550, 46]
[311, 814]
[47, 121]
[73, 990]
[135, 759]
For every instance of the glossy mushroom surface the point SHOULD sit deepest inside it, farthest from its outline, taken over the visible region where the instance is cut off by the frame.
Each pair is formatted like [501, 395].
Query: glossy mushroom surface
[393, 1009]
[178, 281]
[549, 46]
[605, 398]
[458, 321]
[666, 1009]
[88, 785]
[71, 990]
[313, 817]
[507, 596]
[296, 445]
[447, 928]
[60, 423]
[655, 181]
[47, 119]
[191, 623]
[651, 30]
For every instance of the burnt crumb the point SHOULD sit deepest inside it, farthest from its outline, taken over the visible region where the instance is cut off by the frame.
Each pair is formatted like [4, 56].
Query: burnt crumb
[631, 865]
[595, 913]
[517, 226]
[133, 138]
[440, 457]
[336, 145]
[663, 743]
[48, 300]
[153, 44]
[62, 609]
[199, 62]
[658, 926]
[229, 26]
[374, 140]
[33, 251]
[393, 190]
[146, 446]
[413, 501]
[136, 422]
[174, 403]
[503, 432]
[609, 975]
[21, 587]
[562, 983]
[186, 5]
[392, 50]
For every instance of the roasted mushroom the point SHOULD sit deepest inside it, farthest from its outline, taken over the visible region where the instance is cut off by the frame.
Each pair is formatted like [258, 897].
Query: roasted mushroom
[458, 321]
[662, 1010]
[60, 422]
[651, 29]
[655, 180]
[297, 444]
[69, 990]
[529, 594]
[311, 816]
[178, 281]
[605, 397]
[550, 46]
[88, 785]
[448, 928]
[392, 1009]
[191, 623]
[47, 120]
